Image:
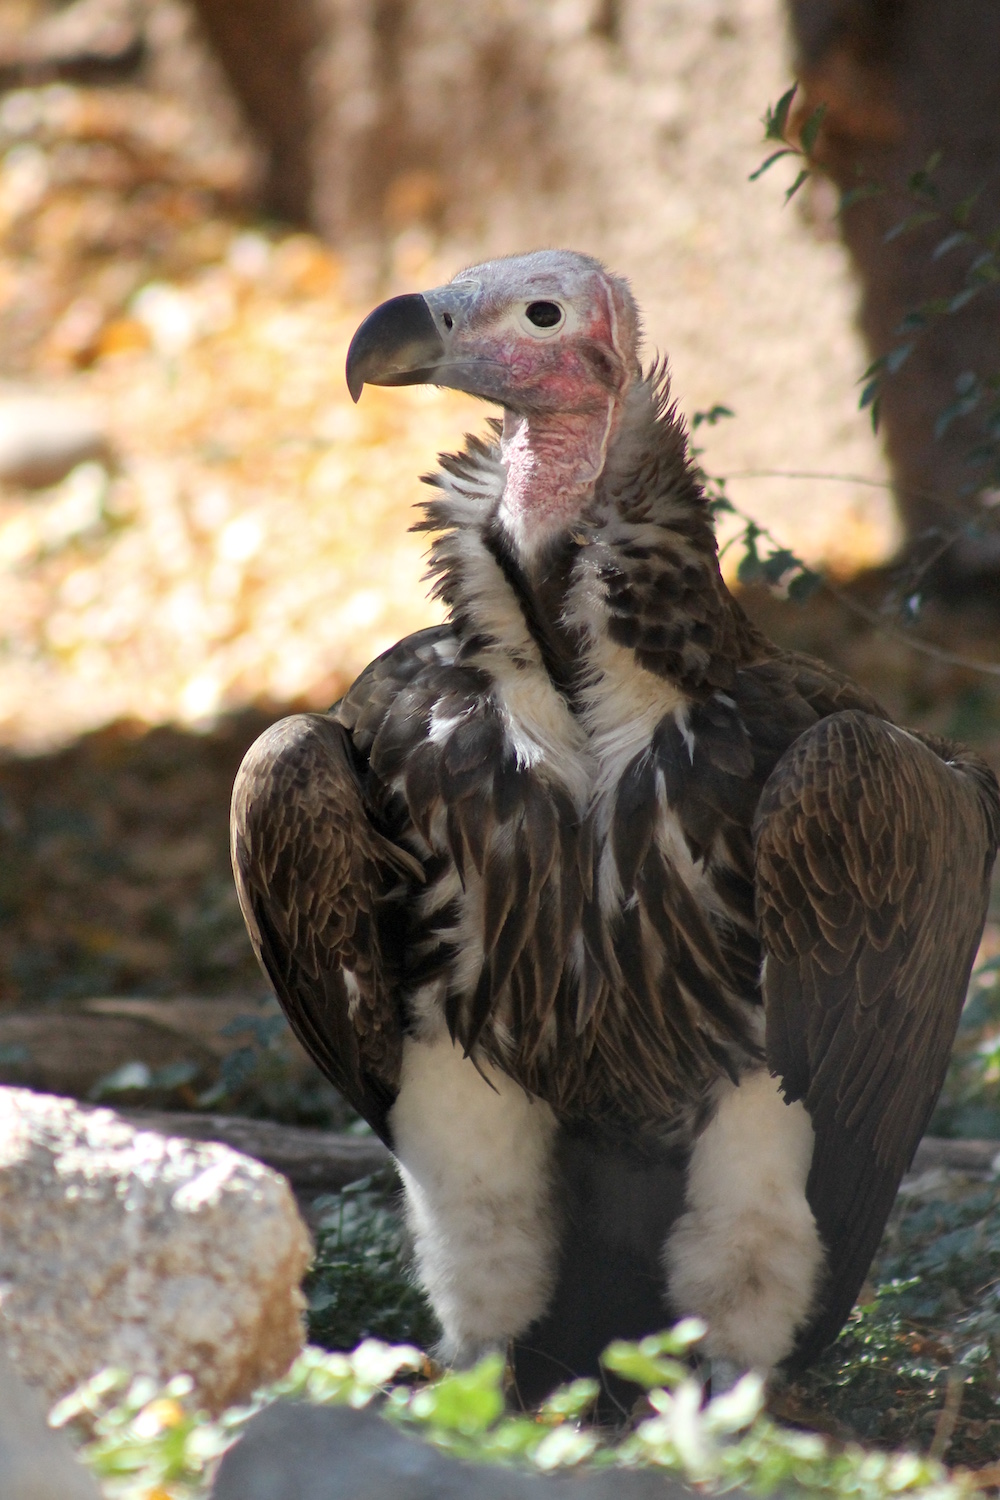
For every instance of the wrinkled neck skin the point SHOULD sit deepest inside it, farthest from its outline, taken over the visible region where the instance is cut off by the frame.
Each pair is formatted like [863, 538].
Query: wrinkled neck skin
[552, 460]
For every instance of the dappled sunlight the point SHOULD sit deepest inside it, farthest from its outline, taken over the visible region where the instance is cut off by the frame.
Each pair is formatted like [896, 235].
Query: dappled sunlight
[249, 539]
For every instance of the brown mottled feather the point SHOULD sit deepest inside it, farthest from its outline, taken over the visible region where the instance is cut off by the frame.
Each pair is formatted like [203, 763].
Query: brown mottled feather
[866, 890]
[874, 855]
[313, 877]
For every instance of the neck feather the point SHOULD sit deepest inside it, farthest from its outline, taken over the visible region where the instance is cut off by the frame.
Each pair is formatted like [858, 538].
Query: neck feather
[552, 462]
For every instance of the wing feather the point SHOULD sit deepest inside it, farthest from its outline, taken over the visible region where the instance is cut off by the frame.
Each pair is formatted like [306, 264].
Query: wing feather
[313, 876]
[873, 854]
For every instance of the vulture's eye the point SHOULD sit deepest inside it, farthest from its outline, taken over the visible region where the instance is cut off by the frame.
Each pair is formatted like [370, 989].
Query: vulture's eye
[544, 314]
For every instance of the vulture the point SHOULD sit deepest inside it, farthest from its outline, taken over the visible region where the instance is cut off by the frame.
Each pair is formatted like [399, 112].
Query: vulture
[639, 940]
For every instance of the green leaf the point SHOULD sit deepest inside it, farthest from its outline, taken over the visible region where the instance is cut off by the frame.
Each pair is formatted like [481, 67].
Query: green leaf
[896, 358]
[780, 562]
[655, 1361]
[569, 1401]
[964, 209]
[959, 408]
[912, 221]
[130, 1075]
[769, 162]
[775, 120]
[950, 241]
[173, 1075]
[859, 194]
[466, 1401]
[804, 585]
[800, 179]
[713, 415]
[750, 569]
[869, 394]
[874, 367]
[920, 183]
[811, 129]
[963, 298]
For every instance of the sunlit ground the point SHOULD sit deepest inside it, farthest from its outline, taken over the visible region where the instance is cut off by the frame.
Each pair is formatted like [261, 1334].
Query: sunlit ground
[247, 539]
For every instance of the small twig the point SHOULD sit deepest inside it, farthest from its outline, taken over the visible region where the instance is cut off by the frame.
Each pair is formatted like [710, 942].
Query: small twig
[908, 492]
[944, 1428]
[875, 484]
[938, 653]
[924, 648]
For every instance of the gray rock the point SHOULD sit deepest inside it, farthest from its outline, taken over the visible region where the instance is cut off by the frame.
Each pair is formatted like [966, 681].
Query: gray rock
[43, 437]
[301, 1452]
[35, 1462]
[125, 1247]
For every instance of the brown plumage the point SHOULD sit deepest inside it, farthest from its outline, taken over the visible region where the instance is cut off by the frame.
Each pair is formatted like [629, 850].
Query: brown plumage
[568, 827]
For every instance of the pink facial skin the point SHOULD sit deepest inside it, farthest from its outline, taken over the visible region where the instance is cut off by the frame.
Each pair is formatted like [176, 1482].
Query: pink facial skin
[561, 396]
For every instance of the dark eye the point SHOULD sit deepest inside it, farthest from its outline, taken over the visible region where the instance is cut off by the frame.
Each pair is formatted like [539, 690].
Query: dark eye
[544, 314]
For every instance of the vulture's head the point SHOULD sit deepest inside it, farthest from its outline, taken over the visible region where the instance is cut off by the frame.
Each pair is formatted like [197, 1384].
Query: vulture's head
[552, 337]
[548, 332]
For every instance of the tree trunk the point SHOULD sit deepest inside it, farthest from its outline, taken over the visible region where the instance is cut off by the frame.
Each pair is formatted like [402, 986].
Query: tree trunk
[267, 51]
[904, 80]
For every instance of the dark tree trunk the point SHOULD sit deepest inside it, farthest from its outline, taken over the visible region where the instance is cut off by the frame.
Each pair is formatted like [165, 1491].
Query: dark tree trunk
[267, 50]
[902, 80]
[375, 114]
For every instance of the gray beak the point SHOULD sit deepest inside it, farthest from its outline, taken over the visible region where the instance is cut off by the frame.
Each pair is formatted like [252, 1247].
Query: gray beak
[397, 344]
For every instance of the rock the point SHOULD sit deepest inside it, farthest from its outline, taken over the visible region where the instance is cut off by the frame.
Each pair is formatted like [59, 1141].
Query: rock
[124, 1247]
[957, 1156]
[35, 1462]
[314, 1161]
[66, 1052]
[43, 437]
[301, 1452]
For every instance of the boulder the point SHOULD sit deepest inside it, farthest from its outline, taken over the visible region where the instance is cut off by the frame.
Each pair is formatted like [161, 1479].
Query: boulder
[125, 1247]
[35, 1462]
[43, 437]
[299, 1452]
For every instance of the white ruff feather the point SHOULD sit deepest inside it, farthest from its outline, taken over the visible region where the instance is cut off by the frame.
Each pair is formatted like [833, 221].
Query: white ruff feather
[746, 1256]
[475, 1159]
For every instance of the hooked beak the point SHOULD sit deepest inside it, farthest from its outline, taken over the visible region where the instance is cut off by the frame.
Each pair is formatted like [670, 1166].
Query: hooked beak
[397, 344]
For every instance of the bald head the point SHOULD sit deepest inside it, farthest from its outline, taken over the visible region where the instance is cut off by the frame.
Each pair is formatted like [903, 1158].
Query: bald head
[548, 332]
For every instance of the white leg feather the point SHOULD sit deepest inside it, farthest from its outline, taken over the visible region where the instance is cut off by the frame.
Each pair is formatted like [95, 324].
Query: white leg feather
[746, 1255]
[476, 1164]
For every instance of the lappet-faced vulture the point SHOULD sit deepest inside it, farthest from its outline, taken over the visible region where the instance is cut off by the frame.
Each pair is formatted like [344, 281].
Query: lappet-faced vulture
[640, 941]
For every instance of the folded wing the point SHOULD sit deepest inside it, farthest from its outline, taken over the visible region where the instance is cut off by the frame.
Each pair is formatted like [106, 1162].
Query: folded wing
[318, 886]
[873, 857]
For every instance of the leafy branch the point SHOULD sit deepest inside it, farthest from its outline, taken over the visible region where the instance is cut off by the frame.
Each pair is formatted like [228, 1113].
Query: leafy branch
[777, 128]
[783, 571]
[924, 206]
[145, 1441]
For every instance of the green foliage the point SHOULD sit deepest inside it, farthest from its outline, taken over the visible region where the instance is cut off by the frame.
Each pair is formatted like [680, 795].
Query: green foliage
[924, 206]
[970, 1101]
[778, 127]
[262, 1075]
[144, 1442]
[929, 1337]
[360, 1284]
[780, 569]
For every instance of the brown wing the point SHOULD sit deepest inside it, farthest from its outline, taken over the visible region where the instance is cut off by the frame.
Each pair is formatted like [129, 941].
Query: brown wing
[873, 858]
[316, 883]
